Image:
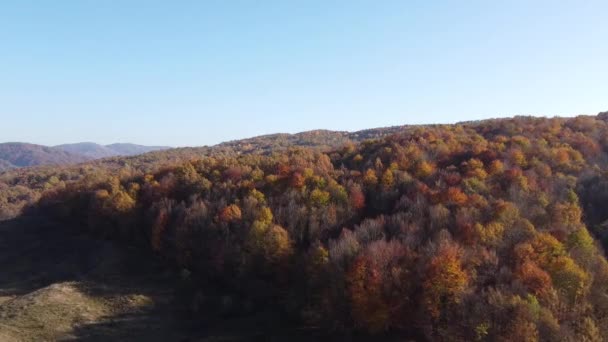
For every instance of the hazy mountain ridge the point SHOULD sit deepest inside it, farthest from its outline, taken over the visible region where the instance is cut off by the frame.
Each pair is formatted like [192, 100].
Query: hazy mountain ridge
[89, 149]
[24, 154]
[97, 151]
[17, 154]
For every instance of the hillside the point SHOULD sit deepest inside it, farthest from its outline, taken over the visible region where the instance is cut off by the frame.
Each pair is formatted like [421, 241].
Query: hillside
[88, 149]
[96, 151]
[23, 154]
[124, 149]
[87, 289]
[18, 155]
[5, 165]
[488, 230]
[323, 140]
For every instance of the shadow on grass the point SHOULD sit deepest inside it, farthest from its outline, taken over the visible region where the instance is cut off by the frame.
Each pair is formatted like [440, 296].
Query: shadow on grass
[35, 253]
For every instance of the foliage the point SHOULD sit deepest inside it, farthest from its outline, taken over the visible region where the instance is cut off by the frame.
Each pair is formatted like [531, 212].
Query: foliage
[474, 231]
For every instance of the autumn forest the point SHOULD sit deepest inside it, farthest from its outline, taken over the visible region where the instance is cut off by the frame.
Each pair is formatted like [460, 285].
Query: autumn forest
[491, 230]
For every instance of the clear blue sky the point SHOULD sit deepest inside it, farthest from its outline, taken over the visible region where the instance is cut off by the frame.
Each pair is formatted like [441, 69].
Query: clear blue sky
[200, 72]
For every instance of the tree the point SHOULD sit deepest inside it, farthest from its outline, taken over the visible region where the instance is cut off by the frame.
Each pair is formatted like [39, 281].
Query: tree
[567, 216]
[230, 213]
[277, 245]
[517, 157]
[588, 331]
[424, 169]
[534, 278]
[490, 234]
[387, 179]
[569, 278]
[444, 279]
[496, 167]
[160, 223]
[297, 180]
[318, 260]
[582, 246]
[369, 310]
[319, 197]
[439, 217]
[378, 286]
[370, 177]
[455, 196]
[357, 198]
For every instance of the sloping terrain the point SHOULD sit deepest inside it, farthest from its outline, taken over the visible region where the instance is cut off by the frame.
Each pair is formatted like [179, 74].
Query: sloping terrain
[125, 149]
[22, 155]
[89, 149]
[5, 165]
[318, 139]
[18, 155]
[56, 285]
[15, 155]
[60, 286]
[487, 231]
[97, 151]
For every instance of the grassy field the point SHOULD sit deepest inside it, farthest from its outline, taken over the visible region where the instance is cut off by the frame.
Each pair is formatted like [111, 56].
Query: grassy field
[85, 289]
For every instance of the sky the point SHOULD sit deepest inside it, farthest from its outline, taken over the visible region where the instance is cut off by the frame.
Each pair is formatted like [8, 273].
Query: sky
[192, 73]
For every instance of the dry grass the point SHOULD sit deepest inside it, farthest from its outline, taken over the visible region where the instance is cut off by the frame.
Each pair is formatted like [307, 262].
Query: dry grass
[57, 288]
[48, 314]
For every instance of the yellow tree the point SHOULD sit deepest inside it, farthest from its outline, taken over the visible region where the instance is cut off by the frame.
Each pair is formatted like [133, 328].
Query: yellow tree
[445, 279]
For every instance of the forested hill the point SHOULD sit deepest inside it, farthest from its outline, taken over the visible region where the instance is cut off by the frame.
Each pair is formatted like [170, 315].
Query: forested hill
[487, 230]
[324, 140]
[131, 158]
[5, 165]
[17, 155]
[22, 154]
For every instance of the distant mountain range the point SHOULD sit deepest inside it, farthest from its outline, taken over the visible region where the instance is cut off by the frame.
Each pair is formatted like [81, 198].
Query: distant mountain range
[16, 155]
[96, 151]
